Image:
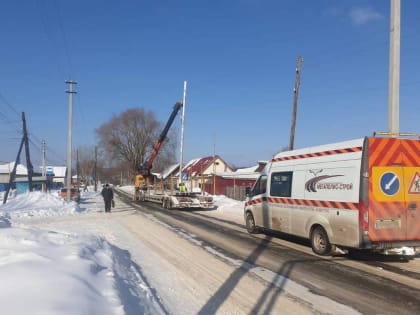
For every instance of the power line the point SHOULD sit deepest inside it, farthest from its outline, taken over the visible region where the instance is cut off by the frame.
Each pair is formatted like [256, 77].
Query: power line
[64, 67]
[14, 128]
[8, 104]
[50, 38]
[14, 123]
[63, 34]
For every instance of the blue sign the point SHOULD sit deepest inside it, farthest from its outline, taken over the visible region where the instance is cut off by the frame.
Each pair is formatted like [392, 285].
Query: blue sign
[49, 171]
[184, 176]
[390, 183]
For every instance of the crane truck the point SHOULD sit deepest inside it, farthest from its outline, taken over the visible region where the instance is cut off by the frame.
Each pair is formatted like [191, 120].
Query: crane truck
[165, 193]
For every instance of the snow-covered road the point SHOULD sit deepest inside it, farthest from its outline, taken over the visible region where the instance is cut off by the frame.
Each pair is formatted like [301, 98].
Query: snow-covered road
[159, 270]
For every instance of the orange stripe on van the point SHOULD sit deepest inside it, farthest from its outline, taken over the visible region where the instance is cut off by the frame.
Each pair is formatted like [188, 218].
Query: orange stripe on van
[389, 151]
[303, 202]
[412, 156]
[378, 148]
[317, 154]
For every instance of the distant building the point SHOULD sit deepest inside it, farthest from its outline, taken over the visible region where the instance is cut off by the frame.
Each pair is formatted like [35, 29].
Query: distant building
[233, 184]
[21, 181]
[214, 176]
[5, 172]
[57, 176]
[54, 179]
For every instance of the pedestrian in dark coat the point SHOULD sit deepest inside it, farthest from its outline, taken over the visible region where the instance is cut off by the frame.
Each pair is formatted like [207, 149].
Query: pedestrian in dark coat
[108, 196]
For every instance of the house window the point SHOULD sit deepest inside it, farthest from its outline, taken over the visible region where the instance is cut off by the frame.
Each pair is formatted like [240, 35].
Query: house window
[281, 184]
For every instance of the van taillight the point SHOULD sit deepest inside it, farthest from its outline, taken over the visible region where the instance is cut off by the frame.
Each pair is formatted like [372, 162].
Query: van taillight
[363, 216]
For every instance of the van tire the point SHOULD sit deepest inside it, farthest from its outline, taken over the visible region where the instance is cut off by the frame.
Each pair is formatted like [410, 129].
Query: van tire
[320, 242]
[250, 223]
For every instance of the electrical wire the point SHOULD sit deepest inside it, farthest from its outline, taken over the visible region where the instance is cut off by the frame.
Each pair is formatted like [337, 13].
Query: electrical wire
[64, 37]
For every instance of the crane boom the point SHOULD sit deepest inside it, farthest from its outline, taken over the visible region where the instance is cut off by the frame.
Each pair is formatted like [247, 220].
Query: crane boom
[147, 166]
[164, 193]
[144, 170]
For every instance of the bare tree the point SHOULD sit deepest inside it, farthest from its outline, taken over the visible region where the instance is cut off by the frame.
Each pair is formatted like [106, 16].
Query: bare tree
[86, 156]
[129, 138]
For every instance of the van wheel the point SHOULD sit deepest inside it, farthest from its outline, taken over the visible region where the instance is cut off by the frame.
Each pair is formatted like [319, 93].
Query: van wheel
[320, 243]
[250, 224]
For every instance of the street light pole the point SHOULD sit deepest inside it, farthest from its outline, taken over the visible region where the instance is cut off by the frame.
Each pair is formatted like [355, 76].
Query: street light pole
[394, 69]
[69, 141]
[181, 151]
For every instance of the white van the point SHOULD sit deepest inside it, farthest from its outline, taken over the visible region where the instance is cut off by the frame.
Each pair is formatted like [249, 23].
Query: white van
[363, 194]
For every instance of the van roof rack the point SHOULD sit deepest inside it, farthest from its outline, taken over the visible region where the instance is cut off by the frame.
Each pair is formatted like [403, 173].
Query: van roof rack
[396, 134]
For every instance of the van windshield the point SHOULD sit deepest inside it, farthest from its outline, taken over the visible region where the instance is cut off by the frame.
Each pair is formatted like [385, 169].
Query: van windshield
[260, 186]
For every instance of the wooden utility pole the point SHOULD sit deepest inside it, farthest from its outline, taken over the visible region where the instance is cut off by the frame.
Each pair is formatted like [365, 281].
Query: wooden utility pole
[12, 175]
[295, 99]
[30, 168]
[28, 156]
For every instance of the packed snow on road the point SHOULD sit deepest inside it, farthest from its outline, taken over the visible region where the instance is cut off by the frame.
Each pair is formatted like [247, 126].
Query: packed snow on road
[59, 257]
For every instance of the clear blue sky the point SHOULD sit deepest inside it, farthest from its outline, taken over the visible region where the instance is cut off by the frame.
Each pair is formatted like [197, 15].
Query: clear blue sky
[237, 56]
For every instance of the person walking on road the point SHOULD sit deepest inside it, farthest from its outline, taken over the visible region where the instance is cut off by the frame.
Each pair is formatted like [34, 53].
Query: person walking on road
[108, 196]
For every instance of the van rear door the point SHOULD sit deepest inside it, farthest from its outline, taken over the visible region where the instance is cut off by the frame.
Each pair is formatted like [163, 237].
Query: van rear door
[412, 198]
[394, 189]
[387, 205]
